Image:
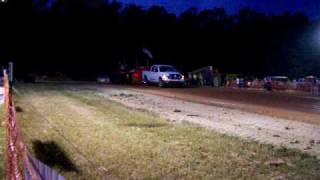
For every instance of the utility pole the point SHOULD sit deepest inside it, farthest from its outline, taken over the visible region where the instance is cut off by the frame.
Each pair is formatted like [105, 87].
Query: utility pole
[11, 73]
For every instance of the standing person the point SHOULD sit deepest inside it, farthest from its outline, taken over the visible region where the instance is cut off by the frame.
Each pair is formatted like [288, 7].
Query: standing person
[201, 79]
[228, 83]
[314, 87]
[268, 84]
[238, 82]
[294, 84]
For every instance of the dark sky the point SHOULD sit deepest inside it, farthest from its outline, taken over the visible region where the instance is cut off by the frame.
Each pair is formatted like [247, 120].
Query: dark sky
[309, 7]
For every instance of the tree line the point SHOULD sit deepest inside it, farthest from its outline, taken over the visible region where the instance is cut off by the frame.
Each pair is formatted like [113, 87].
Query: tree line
[92, 36]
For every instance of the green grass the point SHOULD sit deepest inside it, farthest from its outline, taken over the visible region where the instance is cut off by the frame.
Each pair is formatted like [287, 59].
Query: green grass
[123, 143]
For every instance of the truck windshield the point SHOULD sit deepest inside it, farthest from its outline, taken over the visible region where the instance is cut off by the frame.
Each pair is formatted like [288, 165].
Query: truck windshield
[167, 69]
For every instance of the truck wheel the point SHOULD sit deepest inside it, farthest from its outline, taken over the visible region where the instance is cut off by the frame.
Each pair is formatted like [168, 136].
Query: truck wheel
[161, 83]
[145, 80]
[184, 85]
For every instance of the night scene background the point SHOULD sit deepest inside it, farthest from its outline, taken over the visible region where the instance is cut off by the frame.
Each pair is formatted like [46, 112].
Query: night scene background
[84, 38]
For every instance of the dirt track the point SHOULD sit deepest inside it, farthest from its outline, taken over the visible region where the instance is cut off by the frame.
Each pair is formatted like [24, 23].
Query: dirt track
[291, 106]
[216, 114]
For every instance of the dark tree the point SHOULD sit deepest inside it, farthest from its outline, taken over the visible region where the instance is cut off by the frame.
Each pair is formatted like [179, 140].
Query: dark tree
[91, 36]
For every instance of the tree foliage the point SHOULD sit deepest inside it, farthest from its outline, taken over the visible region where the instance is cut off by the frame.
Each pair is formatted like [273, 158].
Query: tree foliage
[93, 35]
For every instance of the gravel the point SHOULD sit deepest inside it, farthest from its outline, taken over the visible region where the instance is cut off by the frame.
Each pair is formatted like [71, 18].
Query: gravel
[262, 128]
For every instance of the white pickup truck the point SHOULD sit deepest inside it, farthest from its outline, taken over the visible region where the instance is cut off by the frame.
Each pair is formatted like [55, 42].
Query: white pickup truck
[163, 75]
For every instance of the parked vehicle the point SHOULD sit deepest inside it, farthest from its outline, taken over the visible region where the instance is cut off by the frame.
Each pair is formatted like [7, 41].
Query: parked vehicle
[137, 75]
[103, 79]
[276, 83]
[205, 76]
[163, 75]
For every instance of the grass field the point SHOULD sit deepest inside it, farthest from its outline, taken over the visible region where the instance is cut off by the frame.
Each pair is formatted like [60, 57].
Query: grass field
[85, 136]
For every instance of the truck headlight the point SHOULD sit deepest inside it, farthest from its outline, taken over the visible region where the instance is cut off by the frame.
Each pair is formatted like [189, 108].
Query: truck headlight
[182, 77]
[165, 78]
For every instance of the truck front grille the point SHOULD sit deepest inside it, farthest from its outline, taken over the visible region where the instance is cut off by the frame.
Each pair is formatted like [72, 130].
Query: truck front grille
[175, 76]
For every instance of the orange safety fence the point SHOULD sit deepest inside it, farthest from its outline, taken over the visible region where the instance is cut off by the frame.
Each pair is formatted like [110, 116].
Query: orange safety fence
[19, 163]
